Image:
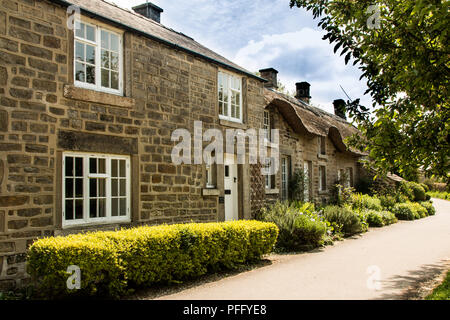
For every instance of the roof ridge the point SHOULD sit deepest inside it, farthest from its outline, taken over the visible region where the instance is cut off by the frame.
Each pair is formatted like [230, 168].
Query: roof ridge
[146, 19]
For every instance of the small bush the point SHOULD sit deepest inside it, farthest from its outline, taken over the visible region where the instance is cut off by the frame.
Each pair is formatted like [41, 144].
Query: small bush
[388, 217]
[374, 218]
[364, 201]
[343, 219]
[425, 187]
[428, 205]
[387, 201]
[404, 211]
[112, 262]
[420, 211]
[299, 228]
[419, 192]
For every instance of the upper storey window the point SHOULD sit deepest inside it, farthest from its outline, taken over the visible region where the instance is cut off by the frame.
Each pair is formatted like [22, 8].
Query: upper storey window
[230, 97]
[97, 58]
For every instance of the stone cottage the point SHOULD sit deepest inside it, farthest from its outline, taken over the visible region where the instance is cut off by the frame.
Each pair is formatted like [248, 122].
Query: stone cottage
[90, 95]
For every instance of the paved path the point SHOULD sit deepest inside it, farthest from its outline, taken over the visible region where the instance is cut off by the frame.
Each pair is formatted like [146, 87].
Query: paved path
[402, 253]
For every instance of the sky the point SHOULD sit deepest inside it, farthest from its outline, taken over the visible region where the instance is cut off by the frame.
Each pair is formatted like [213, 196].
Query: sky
[262, 34]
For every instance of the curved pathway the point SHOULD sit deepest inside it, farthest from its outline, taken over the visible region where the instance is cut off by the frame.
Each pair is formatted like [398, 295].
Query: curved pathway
[379, 264]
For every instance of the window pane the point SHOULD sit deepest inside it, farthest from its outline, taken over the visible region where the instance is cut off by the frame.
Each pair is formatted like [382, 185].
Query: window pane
[69, 188]
[114, 188]
[115, 207]
[79, 188]
[123, 207]
[114, 171]
[93, 208]
[69, 209]
[79, 51]
[115, 80]
[122, 168]
[79, 167]
[114, 43]
[79, 29]
[93, 188]
[105, 59]
[105, 78]
[123, 188]
[101, 165]
[102, 188]
[93, 165]
[90, 74]
[105, 39]
[79, 72]
[69, 166]
[90, 54]
[102, 208]
[114, 61]
[78, 209]
[90, 33]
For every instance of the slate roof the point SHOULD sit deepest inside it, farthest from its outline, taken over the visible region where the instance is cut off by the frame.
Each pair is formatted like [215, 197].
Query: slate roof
[309, 120]
[150, 28]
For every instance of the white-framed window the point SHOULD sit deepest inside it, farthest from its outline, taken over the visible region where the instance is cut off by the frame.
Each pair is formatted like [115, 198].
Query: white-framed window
[98, 58]
[96, 188]
[285, 175]
[269, 178]
[322, 178]
[267, 125]
[230, 97]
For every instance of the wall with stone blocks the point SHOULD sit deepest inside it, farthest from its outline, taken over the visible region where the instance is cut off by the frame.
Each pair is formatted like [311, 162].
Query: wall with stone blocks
[165, 89]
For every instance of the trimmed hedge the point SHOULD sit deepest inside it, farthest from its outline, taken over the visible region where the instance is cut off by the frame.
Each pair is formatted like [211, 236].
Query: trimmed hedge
[113, 262]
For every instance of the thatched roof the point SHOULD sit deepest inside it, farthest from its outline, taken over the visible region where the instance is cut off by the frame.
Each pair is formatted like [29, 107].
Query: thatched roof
[308, 120]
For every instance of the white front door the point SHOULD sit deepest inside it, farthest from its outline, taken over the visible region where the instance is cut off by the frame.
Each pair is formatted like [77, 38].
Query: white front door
[231, 188]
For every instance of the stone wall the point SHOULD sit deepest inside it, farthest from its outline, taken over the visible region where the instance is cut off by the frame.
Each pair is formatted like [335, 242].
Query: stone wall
[40, 109]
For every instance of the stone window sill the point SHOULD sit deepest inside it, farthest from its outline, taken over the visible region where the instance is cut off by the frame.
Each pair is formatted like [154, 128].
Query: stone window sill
[323, 193]
[75, 93]
[322, 156]
[100, 226]
[272, 191]
[211, 192]
[232, 124]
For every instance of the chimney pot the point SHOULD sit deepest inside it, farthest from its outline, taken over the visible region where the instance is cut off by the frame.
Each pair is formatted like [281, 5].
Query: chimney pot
[270, 74]
[149, 10]
[303, 91]
[339, 108]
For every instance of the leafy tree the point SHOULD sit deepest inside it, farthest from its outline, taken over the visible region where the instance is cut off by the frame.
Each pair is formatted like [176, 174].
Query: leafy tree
[402, 49]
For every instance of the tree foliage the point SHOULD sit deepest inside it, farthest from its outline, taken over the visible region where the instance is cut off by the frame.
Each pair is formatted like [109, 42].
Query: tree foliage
[402, 49]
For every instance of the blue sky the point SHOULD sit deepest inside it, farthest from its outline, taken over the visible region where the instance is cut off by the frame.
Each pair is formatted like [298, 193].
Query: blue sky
[266, 33]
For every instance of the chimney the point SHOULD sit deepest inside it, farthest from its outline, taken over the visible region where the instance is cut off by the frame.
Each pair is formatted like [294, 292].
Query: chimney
[270, 74]
[303, 91]
[339, 108]
[149, 10]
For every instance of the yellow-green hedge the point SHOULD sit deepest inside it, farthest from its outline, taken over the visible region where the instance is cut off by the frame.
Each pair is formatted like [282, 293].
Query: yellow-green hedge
[112, 262]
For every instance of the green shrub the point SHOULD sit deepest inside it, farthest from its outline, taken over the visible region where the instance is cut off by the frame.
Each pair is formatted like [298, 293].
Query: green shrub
[419, 192]
[404, 211]
[428, 205]
[364, 201]
[343, 219]
[425, 187]
[406, 190]
[387, 201]
[113, 262]
[299, 227]
[421, 212]
[374, 218]
[388, 217]
[439, 194]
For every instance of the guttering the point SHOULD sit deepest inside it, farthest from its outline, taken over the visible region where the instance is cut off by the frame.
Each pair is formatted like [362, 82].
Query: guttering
[168, 43]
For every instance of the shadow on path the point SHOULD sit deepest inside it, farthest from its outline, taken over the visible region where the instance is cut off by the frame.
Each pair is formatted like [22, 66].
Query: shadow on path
[417, 283]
